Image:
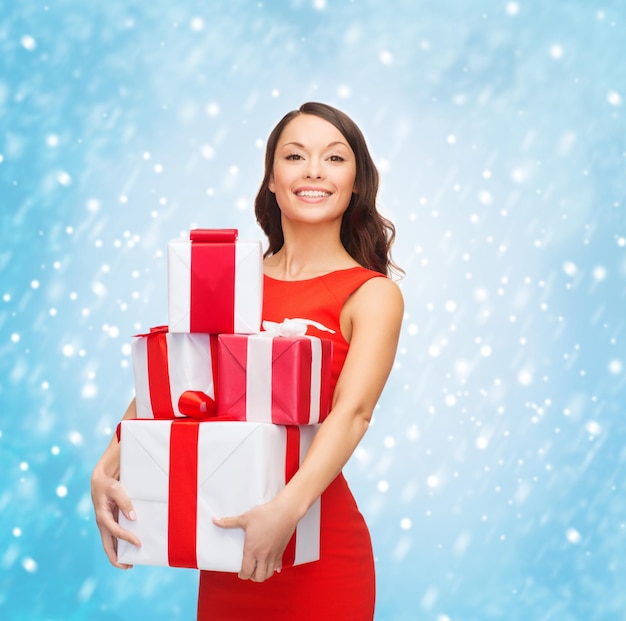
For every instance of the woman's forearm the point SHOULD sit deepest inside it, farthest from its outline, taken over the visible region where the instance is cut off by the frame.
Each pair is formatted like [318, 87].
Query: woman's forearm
[334, 444]
[378, 303]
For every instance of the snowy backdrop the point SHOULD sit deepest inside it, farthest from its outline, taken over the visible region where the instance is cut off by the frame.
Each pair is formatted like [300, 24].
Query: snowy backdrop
[493, 477]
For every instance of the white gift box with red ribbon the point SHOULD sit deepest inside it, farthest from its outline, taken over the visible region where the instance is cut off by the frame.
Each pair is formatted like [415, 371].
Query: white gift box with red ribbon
[215, 283]
[182, 473]
[165, 365]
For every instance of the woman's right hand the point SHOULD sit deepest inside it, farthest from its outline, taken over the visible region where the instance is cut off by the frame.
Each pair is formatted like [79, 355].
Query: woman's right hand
[109, 498]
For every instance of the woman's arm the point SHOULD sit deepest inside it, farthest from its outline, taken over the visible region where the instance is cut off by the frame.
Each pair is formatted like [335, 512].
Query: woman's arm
[108, 497]
[373, 316]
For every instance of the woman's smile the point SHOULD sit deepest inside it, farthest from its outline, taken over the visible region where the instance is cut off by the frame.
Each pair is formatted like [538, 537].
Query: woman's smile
[312, 193]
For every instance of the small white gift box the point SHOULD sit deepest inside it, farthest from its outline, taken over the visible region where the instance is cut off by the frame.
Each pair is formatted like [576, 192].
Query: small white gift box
[215, 283]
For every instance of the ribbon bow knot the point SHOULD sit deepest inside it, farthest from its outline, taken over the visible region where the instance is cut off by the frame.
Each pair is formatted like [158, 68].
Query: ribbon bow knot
[291, 327]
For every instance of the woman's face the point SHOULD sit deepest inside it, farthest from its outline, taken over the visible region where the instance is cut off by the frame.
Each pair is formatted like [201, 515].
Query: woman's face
[314, 171]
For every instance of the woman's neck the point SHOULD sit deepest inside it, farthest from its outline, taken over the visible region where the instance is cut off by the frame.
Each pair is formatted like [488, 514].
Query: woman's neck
[308, 251]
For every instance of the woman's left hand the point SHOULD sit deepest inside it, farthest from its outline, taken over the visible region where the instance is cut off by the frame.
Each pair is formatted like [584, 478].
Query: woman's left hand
[268, 529]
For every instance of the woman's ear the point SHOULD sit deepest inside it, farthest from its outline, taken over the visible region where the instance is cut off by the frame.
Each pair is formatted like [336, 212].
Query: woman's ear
[270, 185]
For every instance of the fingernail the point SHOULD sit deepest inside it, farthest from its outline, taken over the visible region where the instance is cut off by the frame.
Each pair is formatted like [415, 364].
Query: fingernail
[132, 515]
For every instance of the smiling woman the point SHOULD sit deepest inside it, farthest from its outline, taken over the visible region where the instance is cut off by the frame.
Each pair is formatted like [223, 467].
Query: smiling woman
[328, 261]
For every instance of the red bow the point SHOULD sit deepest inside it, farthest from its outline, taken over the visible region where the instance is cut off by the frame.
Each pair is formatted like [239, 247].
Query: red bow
[197, 404]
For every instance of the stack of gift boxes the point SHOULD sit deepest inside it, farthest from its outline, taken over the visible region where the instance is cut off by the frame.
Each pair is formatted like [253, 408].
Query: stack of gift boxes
[226, 410]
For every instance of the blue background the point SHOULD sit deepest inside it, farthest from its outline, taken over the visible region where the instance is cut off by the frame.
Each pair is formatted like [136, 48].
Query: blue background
[493, 474]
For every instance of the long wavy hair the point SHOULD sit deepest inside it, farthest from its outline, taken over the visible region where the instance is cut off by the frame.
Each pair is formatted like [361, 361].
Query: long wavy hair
[365, 234]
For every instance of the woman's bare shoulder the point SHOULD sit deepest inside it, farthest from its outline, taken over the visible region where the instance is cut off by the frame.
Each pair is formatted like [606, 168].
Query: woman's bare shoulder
[377, 297]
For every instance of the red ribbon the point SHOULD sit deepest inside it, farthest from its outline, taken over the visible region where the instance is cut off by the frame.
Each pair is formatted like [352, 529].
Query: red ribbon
[212, 304]
[292, 463]
[183, 491]
[158, 374]
[326, 379]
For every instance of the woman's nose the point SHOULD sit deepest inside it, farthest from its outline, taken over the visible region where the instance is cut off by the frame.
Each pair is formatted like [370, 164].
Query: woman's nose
[313, 169]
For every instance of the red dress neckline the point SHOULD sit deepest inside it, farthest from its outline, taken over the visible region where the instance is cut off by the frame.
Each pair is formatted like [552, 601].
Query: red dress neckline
[346, 269]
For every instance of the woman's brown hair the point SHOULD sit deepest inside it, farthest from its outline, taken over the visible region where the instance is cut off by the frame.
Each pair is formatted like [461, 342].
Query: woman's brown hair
[365, 234]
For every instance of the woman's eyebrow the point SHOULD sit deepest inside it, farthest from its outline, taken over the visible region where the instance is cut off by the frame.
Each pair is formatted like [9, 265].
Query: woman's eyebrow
[301, 146]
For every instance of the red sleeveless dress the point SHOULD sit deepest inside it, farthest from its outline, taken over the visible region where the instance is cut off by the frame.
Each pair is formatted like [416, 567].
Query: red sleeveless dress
[341, 585]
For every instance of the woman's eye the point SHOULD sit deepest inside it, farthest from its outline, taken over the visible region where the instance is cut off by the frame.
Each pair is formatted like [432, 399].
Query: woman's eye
[336, 158]
[294, 156]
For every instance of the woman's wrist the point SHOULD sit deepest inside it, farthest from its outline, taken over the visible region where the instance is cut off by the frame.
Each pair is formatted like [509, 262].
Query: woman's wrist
[109, 464]
[293, 503]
